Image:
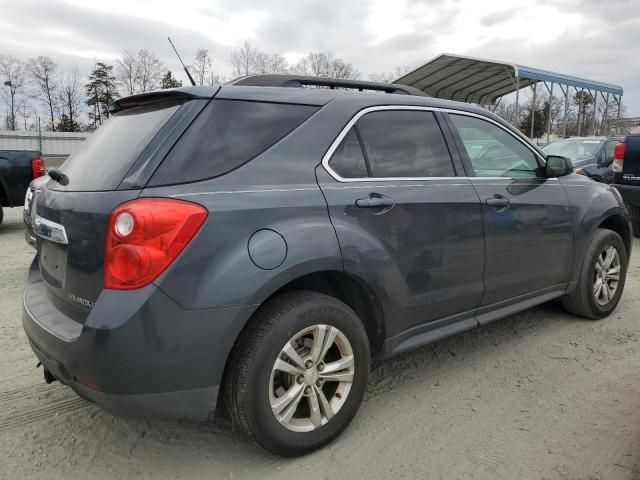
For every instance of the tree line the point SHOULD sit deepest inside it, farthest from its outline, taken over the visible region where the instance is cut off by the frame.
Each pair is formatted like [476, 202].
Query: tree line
[580, 114]
[40, 87]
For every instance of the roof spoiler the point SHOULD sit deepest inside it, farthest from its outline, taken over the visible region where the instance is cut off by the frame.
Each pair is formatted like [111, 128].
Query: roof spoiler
[300, 81]
[182, 93]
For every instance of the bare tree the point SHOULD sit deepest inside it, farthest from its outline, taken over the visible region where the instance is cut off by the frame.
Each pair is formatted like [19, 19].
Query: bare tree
[14, 73]
[149, 71]
[302, 67]
[324, 64]
[71, 99]
[278, 64]
[201, 67]
[139, 72]
[261, 63]
[390, 77]
[44, 72]
[243, 60]
[127, 71]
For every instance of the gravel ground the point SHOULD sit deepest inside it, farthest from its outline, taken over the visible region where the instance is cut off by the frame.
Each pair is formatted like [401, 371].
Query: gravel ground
[537, 395]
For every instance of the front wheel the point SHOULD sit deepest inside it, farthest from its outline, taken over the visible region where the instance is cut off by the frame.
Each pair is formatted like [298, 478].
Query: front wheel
[602, 277]
[298, 373]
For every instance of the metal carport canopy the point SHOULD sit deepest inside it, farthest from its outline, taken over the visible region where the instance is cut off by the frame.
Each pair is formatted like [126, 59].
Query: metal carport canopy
[477, 80]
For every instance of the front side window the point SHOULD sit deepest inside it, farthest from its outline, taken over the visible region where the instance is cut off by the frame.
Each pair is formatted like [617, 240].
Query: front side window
[493, 151]
[394, 144]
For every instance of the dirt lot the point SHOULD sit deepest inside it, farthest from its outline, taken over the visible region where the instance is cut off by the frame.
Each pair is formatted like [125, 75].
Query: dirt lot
[537, 395]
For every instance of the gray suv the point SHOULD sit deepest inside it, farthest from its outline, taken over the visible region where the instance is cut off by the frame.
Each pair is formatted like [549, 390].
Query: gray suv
[259, 243]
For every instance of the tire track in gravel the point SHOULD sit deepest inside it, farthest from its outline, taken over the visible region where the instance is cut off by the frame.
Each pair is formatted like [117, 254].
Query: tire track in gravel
[26, 391]
[35, 404]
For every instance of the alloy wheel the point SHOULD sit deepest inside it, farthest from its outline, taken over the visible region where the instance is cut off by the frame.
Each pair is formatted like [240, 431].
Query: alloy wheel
[311, 378]
[606, 275]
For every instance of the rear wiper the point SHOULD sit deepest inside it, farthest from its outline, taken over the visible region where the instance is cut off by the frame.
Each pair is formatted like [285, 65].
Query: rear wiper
[58, 176]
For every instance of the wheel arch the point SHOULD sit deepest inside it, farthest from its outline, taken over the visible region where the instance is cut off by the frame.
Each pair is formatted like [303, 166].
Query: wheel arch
[618, 223]
[347, 288]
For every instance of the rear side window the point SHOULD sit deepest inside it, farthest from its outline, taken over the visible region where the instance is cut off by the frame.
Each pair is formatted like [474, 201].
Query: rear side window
[397, 143]
[226, 135]
[104, 158]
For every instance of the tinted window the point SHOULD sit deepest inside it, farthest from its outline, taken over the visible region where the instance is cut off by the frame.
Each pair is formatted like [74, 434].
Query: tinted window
[226, 135]
[404, 144]
[103, 159]
[493, 151]
[348, 160]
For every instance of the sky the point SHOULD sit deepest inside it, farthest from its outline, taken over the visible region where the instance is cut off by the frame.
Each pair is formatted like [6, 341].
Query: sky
[595, 39]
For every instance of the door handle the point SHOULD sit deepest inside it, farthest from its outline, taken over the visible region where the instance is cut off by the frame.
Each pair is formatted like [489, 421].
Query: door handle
[498, 201]
[375, 201]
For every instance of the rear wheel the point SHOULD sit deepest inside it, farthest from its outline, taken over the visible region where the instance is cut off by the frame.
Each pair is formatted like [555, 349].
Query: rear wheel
[298, 373]
[602, 277]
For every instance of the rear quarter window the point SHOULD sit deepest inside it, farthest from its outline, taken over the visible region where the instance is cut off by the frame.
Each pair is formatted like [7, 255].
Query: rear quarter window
[225, 136]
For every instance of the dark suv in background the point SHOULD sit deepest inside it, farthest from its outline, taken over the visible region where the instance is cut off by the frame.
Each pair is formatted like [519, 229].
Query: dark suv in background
[626, 168]
[263, 241]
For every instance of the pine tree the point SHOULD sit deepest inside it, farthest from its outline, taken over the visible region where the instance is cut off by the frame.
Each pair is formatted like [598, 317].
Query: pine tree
[101, 92]
[169, 81]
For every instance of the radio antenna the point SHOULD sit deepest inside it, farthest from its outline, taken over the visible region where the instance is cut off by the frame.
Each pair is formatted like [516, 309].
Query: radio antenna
[186, 70]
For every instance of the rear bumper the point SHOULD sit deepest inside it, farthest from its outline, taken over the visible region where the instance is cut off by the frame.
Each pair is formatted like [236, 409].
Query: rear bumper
[630, 193]
[137, 353]
[195, 404]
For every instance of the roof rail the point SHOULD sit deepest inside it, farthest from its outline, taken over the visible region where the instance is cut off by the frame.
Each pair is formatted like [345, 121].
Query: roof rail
[299, 81]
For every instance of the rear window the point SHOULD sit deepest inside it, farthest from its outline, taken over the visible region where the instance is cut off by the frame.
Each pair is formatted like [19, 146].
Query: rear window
[226, 135]
[103, 159]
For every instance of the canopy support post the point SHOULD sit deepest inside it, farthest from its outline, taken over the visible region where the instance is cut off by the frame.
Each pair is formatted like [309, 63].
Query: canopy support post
[595, 104]
[605, 116]
[515, 120]
[579, 110]
[618, 115]
[566, 110]
[549, 112]
[533, 109]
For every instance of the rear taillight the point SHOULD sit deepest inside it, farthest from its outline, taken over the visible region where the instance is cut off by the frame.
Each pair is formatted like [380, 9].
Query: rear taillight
[37, 168]
[145, 236]
[618, 157]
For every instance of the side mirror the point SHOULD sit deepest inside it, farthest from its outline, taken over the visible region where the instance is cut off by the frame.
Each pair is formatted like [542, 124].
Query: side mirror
[558, 166]
[608, 161]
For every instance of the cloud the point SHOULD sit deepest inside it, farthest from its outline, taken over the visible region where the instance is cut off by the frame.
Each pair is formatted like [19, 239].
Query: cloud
[495, 18]
[588, 38]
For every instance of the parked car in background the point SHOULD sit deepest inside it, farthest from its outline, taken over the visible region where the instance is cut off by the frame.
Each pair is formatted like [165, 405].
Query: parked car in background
[263, 242]
[17, 169]
[584, 150]
[626, 168]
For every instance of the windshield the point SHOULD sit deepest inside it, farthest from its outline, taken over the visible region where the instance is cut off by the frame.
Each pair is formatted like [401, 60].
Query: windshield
[573, 149]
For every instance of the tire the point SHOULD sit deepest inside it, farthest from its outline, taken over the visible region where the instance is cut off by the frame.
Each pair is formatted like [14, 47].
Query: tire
[634, 212]
[251, 375]
[583, 301]
[1, 215]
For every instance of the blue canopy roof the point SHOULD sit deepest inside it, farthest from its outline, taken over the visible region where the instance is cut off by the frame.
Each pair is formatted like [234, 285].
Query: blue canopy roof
[482, 81]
